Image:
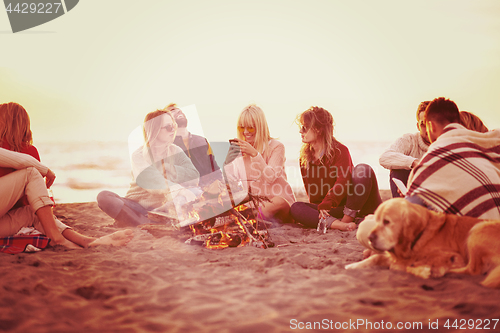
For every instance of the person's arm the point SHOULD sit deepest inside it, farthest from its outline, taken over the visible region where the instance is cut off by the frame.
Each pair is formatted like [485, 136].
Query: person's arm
[397, 156]
[15, 160]
[274, 168]
[343, 168]
[182, 170]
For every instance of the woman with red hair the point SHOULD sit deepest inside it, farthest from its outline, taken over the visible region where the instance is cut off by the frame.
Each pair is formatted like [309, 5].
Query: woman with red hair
[23, 175]
[338, 192]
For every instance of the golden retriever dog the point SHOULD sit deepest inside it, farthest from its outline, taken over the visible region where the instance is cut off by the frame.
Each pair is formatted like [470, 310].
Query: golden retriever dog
[484, 253]
[412, 238]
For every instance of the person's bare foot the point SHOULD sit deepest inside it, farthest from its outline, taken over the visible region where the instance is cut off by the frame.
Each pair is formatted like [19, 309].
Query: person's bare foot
[343, 226]
[119, 238]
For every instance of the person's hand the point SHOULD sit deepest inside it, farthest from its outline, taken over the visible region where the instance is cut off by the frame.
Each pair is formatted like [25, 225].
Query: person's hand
[49, 178]
[415, 163]
[323, 213]
[246, 148]
[233, 153]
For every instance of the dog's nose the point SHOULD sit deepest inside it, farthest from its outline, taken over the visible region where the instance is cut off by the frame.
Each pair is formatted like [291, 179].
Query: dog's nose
[372, 238]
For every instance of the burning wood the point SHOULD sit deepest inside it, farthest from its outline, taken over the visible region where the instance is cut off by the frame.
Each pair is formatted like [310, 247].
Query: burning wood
[218, 218]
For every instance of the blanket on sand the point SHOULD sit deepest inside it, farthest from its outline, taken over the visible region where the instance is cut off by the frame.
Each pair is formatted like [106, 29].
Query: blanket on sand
[18, 244]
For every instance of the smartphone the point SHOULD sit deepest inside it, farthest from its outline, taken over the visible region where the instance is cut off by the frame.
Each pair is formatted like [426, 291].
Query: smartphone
[401, 186]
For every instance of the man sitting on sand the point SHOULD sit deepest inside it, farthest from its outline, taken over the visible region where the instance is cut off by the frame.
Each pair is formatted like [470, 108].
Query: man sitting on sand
[28, 179]
[196, 148]
[404, 154]
[459, 174]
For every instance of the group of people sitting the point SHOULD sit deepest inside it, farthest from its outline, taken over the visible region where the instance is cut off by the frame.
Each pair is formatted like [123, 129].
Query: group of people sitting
[448, 168]
[174, 163]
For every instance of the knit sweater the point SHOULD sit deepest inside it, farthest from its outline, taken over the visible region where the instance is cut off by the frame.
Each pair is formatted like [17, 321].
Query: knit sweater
[150, 186]
[15, 160]
[265, 173]
[402, 153]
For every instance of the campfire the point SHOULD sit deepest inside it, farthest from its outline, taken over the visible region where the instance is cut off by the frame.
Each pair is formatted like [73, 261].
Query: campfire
[218, 219]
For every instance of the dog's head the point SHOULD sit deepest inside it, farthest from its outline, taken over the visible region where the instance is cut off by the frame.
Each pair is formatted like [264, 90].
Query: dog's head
[399, 225]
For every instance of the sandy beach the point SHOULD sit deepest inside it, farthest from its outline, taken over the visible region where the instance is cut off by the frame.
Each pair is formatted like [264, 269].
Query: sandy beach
[159, 284]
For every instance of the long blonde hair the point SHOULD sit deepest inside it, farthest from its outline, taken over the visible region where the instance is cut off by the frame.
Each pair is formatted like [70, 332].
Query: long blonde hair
[253, 116]
[15, 126]
[321, 121]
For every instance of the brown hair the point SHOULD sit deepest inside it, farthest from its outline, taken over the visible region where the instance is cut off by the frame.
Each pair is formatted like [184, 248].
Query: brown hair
[320, 120]
[442, 111]
[472, 122]
[421, 108]
[15, 126]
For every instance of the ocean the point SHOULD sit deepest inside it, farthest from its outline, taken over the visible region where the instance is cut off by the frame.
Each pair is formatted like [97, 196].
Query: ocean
[83, 169]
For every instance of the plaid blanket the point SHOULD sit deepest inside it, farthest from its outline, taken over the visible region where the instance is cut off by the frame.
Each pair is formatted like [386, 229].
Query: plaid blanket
[460, 173]
[17, 244]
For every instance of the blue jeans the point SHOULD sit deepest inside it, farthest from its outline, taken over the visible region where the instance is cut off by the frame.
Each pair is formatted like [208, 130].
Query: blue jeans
[358, 203]
[127, 212]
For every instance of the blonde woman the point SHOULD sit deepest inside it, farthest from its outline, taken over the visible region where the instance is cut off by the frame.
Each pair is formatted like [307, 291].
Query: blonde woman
[258, 161]
[157, 167]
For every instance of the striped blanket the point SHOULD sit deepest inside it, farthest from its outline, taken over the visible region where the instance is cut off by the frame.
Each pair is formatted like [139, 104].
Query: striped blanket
[460, 173]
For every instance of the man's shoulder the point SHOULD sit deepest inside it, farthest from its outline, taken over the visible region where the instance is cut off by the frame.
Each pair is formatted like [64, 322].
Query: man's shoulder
[198, 139]
[410, 136]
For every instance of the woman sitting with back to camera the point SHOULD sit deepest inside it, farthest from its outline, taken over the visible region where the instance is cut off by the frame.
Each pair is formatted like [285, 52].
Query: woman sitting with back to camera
[260, 165]
[338, 193]
[157, 167]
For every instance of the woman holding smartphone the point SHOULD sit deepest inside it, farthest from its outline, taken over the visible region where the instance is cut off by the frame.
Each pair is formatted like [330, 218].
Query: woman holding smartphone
[258, 160]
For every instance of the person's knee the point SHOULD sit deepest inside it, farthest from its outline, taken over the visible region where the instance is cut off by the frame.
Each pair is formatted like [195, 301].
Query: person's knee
[281, 203]
[362, 171]
[32, 173]
[106, 199]
[104, 196]
[295, 208]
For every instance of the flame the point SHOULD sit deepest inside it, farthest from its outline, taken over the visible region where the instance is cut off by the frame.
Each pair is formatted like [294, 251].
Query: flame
[194, 214]
[240, 208]
[235, 232]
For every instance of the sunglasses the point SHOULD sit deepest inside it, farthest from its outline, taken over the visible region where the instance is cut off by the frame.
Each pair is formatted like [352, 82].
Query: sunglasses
[249, 129]
[303, 129]
[422, 124]
[169, 128]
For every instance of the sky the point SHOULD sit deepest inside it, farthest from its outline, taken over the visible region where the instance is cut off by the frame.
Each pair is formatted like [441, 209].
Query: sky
[95, 72]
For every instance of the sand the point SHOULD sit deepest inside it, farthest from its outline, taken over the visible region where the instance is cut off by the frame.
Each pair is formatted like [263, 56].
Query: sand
[159, 284]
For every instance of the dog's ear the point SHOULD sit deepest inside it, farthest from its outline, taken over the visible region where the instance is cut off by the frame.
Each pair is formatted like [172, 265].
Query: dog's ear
[435, 222]
[413, 221]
